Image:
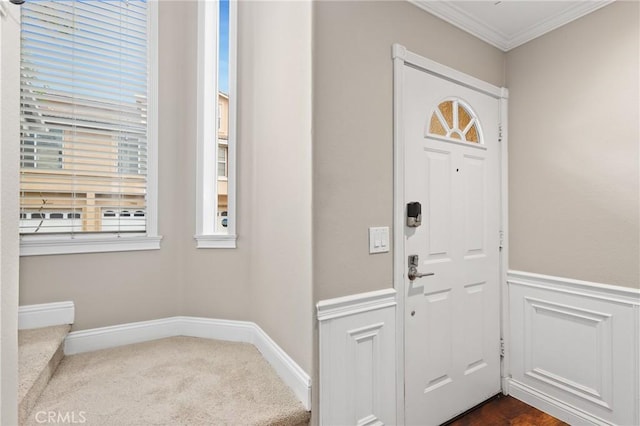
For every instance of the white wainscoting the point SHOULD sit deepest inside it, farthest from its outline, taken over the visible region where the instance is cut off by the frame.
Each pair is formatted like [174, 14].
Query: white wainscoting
[574, 348]
[358, 359]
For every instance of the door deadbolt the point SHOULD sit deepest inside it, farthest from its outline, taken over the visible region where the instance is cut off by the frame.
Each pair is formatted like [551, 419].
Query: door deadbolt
[414, 214]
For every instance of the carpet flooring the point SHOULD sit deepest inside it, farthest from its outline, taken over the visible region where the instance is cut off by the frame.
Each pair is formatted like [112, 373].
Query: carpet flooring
[174, 381]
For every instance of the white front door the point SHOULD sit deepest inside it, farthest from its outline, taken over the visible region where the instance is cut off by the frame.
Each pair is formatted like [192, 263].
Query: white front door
[452, 318]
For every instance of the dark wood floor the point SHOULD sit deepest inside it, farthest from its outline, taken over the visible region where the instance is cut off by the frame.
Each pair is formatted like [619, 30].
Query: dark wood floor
[505, 410]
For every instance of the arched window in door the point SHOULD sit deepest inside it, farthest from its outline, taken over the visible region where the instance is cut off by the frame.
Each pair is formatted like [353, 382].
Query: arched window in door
[454, 119]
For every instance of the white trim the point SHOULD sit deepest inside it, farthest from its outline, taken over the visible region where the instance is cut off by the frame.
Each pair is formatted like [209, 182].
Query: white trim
[357, 365]
[206, 160]
[505, 368]
[216, 241]
[207, 234]
[237, 331]
[349, 305]
[578, 11]
[611, 293]
[36, 245]
[552, 406]
[288, 370]
[79, 243]
[451, 13]
[401, 57]
[447, 73]
[231, 132]
[152, 125]
[398, 54]
[611, 312]
[45, 315]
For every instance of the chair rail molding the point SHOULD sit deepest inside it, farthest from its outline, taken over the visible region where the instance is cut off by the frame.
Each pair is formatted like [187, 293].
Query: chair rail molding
[358, 359]
[575, 348]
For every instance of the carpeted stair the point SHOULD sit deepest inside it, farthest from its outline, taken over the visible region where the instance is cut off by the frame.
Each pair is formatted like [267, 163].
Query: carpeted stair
[174, 381]
[40, 351]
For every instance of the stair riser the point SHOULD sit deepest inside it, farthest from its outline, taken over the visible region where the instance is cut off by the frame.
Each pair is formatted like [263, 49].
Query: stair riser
[29, 401]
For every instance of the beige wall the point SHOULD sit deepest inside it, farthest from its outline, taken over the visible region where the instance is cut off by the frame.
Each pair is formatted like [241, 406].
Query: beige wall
[267, 279]
[114, 288]
[573, 149]
[353, 124]
[278, 127]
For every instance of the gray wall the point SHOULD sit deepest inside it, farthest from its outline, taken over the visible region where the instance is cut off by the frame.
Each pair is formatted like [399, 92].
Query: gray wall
[267, 279]
[573, 149]
[353, 125]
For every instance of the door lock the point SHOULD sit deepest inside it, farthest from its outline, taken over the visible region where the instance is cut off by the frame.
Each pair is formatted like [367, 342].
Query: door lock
[414, 214]
[413, 269]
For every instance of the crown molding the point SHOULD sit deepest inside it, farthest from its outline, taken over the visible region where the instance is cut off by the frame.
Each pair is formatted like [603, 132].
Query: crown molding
[453, 14]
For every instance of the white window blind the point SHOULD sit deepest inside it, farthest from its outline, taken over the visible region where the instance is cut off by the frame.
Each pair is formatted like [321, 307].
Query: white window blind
[84, 82]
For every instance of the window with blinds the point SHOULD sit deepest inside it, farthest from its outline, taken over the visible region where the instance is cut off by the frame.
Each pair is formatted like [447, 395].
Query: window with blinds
[84, 82]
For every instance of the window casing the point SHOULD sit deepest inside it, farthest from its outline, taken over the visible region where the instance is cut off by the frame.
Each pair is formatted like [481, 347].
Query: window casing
[216, 151]
[88, 126]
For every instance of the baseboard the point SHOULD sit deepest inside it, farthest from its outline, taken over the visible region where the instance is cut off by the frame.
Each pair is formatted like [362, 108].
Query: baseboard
[120, 335]
[290, 372]
[552, 406]
[45, 315]
[207, 328]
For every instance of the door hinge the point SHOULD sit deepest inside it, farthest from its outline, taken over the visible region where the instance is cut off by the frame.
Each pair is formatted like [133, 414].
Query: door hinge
[500, 133]
[501, 238]
[501, 347]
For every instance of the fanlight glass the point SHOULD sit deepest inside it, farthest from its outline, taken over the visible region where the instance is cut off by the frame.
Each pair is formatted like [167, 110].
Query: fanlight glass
[454, 121]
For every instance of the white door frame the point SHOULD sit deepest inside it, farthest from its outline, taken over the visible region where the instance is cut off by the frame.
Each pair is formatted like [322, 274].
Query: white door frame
[401, 56]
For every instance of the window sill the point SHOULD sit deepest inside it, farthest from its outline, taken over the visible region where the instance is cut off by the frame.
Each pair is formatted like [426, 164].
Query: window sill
[31, 245]
[216, 241]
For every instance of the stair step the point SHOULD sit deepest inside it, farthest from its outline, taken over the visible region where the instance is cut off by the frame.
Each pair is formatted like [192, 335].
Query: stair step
[40, 350]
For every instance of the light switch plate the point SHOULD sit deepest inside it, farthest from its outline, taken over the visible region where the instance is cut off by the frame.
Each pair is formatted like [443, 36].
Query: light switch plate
[379, 239]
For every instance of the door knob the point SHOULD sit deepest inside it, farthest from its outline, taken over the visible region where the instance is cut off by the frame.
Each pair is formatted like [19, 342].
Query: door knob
[413, 273]
[413, 269]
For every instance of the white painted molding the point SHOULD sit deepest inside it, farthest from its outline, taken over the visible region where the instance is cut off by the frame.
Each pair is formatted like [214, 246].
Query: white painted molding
[579, 10]
[598, 290]
[400, 52]
[358, 359]
[290, 372]
[216, 241]
[575, 348]
[457, 17]
[236, 331]
[45, 315]
[350, 305]
[453, 14]
[37, 245]
[552, 406]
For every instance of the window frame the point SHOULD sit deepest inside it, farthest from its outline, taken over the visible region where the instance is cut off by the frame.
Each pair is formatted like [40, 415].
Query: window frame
[43, 244]
[206, 235]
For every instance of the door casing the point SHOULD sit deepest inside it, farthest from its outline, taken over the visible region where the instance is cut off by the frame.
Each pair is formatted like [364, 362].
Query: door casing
[401, 57]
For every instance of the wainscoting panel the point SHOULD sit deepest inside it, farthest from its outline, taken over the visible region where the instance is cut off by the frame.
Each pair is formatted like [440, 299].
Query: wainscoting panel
[357, 359]
[574, 348]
